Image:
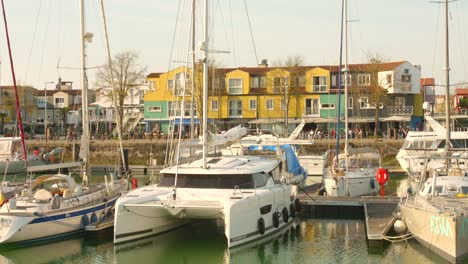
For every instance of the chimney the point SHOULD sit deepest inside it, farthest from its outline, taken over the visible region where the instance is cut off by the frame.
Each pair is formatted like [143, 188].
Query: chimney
[264, 63]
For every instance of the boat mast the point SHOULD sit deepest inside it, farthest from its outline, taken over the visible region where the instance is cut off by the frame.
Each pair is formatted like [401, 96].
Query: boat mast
[204, 48]
[19, 119]
[84, 95]
[345, 29]
[114, 94]
[338, 112]
[447, 83]
[192, 99]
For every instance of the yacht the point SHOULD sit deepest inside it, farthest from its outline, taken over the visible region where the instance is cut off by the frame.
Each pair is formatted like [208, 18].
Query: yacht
[253, 196]
[436, 214]
[420, 144]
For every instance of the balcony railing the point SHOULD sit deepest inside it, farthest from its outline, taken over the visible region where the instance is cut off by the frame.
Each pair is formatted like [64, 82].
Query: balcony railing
[400, 110]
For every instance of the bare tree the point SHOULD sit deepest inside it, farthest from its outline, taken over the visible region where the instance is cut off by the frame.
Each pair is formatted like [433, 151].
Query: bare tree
[128, 74]
[289, 81]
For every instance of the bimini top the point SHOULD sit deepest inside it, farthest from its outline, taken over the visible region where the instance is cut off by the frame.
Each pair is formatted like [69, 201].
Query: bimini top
[226, 165]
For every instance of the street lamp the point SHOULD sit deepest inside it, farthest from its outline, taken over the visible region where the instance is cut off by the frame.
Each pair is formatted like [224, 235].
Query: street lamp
[45, 109]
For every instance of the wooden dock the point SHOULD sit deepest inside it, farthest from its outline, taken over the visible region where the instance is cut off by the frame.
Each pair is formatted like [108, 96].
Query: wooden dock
[376, 211]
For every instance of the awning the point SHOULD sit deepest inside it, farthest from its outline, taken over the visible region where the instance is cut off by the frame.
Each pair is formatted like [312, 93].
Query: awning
[186, 121]
[395, 118]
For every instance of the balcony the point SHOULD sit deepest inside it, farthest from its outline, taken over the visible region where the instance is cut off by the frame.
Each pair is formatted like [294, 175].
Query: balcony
[400, 110]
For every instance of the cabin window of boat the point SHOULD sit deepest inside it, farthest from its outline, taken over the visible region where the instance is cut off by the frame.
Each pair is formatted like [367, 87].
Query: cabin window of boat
[276, 173]
[260, 179]
[214, 181]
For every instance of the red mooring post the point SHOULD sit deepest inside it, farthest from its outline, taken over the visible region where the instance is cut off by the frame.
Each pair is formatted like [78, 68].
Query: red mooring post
[382, 177]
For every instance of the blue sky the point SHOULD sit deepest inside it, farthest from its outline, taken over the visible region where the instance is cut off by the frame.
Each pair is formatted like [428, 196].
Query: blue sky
[45, 33]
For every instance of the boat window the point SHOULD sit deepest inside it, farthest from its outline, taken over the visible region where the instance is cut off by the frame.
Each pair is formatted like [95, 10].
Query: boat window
[439, 189]
[464, 189]
[260, 179]
[224, 181]
[276, 173]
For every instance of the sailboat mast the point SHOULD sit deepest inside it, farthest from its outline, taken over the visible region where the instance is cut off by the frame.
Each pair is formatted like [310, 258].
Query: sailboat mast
[192, 99]
[84, 100]
[338, 112]
[205, 86]
[345, 29]
[447, 81]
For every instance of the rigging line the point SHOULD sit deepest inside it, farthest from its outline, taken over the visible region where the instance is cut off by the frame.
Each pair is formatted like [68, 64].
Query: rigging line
[18, 112]
[41, 62]
[174, 36]
[232, 35]
[251, 33]
[28, 63]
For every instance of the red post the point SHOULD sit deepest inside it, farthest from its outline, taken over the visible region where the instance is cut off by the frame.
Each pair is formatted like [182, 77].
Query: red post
[382, 177]
[382, 192]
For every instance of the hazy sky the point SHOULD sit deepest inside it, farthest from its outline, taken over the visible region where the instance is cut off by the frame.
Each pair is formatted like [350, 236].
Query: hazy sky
[45, 34]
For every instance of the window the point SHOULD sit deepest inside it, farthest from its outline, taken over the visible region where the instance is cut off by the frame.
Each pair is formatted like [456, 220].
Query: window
[152, 85]
[235, 86]
[399, 101]
[327, 106]
[174, 108]
[280, 84]
[170, 84]
[364, 79]
[253, 104]
[364, 102]
[319, 84]
[269, 104]
[283, 104]
[343, 79]
[335, 79]
[257, 82]
[312, 107]
[154, 109]
[298, 81]
[214, 105]
[235, 108]
[389, 78]
[59, 102]
[180, 84]
[350, 103]
[406, 78]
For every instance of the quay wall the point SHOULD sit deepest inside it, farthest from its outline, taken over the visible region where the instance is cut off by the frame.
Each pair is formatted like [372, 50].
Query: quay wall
[106, 151]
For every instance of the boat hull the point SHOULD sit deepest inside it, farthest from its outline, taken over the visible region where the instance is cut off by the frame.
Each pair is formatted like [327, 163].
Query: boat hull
[445, 234]
[28, 228]
[139, 214]
[355, 184]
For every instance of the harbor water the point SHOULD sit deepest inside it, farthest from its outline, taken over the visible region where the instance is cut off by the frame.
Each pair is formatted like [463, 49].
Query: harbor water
[310, 241]
[307, 241]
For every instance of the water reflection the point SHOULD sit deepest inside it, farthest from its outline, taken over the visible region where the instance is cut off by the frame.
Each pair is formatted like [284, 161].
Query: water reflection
[308, 241]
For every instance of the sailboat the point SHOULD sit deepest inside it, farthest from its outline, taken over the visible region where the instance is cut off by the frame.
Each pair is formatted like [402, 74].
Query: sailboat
[436, 214]
[55, 205]
[252, 196]
[352, 173]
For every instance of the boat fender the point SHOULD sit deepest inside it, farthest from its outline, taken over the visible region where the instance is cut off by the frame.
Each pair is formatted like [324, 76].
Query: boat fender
[372, 183]
[285, 214]
[276, 219]
[134, 183]
[292, 209]
[84, 221]
[297, 204]
[55, 202]
[261, 226]
[93, 218]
